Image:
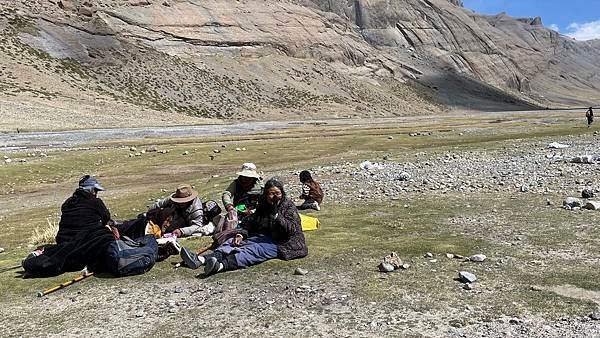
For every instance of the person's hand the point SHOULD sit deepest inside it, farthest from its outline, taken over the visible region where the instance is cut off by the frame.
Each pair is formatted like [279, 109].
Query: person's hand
[229, 207]
[237, 240]
[177, 233]
[232, 214]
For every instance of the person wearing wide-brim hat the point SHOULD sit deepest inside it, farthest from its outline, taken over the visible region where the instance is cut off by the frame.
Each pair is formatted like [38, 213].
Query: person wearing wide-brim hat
[187, 211]
[241, 196]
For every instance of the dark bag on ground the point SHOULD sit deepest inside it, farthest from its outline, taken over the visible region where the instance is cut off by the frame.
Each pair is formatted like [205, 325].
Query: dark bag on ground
[127, 257]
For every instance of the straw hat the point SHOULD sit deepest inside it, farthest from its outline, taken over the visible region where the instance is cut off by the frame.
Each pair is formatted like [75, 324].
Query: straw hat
[248, 170]
[184, 194]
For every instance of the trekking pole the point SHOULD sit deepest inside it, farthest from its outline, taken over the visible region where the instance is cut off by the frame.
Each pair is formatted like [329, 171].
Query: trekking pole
[65, 284]
[204, 249]
[9, 268]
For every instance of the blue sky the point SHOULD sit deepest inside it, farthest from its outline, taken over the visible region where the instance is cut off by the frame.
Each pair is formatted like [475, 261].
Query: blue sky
[577, 18]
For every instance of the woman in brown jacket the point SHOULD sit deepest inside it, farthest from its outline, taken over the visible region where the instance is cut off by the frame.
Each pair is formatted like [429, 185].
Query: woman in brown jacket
[273, 231]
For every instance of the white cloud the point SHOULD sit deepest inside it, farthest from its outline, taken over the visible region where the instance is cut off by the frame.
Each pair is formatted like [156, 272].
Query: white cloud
[584, 31]
[554, 27]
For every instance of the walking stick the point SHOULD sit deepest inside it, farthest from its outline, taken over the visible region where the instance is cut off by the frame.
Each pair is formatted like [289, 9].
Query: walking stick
[205, 249]
[10, 268]
[65, 284]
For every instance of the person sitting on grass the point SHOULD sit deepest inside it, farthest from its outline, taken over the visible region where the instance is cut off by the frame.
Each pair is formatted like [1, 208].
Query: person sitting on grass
[83, 210]
[311, 192]
[241, 196]
[273, 231]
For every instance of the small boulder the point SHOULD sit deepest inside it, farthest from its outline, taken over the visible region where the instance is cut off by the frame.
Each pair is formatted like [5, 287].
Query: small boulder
[385, 267]
[572, 202]
[393, 259]
[300, 271]
[587, 193]
[467, 277]
[595, 315]
[404, 176]
[478, 258]
[1, 250]
[592, 205]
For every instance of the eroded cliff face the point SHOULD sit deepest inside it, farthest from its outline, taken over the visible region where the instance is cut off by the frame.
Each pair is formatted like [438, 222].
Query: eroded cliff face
[518, 55]
[288, 59]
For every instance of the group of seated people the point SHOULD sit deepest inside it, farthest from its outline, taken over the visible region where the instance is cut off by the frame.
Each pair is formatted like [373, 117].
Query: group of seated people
[260, 223]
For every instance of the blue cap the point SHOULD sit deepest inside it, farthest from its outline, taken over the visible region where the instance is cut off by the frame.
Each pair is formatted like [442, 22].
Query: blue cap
[88, 182]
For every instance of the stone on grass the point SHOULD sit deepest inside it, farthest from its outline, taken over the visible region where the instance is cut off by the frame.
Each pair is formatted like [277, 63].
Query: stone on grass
[478, 258]
[468, 286]
[467, 277]
[393, 259]
[587, 193]
[572, 202]
[585, 159]
[301, 272]
[404, 176]
[428, 255]
[592, 205]
[449, 255]
[385, 267]
[595, 315]
[405, 266]
[556, 145]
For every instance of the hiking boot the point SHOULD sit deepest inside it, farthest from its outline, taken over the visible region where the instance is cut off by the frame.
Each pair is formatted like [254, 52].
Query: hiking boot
[212, 266]
[191, 259]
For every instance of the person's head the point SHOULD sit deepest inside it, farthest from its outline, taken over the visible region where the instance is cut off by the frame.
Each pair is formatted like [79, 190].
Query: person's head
[248, 176]
[305, 176]
[90, 184]
[273, 192]
[183, 196]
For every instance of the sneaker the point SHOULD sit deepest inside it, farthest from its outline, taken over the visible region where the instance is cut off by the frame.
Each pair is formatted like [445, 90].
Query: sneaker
[211, 267]
[190, 259]
[315, 205]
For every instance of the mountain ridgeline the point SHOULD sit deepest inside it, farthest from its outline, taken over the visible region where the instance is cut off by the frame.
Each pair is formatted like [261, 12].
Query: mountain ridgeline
[286, 59]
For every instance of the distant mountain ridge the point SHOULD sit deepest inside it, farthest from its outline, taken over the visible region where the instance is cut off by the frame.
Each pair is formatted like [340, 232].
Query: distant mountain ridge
[286, 59]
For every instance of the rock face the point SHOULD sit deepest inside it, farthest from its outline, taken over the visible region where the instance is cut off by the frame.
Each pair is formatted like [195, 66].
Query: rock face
[282, 58]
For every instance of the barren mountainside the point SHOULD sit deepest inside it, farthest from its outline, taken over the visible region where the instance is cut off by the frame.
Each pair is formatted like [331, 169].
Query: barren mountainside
[171, 62]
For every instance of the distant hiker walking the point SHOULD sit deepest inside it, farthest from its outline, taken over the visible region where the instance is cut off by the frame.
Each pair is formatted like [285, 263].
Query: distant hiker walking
[590, 116]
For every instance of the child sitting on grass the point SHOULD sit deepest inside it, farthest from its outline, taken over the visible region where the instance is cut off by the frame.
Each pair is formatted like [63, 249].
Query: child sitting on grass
[311, 192]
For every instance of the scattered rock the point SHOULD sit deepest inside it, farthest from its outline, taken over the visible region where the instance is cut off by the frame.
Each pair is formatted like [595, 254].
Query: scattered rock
[585, 159]
[300, 271]
[449, 255]
[405, 266]
[595, 315]
[468, 286]
[8, 160]
[478, 258]
[1, 250]
[186, 153]
[592, 205]
[404, 176]
[152, 149]
[385, 267]
[524, 188]
[216, 151]
[536, 288]
[172, 310]
[467, 277]
[132, 149]
[428, 255]
[393, 259]
[238, 149]
[572, 202]
[587, 193]
[123, 291]
[515, 321]
[556, 145]
[390, 137]
[178, 290]
[140, 314]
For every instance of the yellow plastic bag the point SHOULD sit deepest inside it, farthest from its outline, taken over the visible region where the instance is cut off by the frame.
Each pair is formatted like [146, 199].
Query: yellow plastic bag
[153, 229]
[309, 223]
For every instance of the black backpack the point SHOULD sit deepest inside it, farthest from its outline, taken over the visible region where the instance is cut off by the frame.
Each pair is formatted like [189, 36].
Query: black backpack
[127, 257]
[211, 209]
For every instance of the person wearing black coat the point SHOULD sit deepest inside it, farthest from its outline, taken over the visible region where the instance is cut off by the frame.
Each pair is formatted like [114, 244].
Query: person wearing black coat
[82, 238]
[273, 231]
[82, 211]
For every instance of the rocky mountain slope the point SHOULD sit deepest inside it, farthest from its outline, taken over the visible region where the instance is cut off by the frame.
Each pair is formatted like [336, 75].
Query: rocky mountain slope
[142, 62]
